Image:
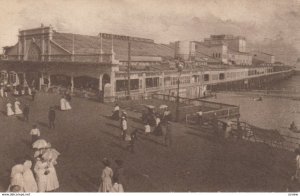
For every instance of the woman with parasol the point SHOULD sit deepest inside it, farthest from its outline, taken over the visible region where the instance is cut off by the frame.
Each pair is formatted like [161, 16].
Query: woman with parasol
[52, 180]
[41, 172]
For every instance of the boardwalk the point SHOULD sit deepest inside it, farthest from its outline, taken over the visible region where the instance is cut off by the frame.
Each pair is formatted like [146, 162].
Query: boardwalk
[196, 162]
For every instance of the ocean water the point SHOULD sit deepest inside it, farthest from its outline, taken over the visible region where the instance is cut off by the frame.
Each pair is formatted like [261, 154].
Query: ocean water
[272, 112]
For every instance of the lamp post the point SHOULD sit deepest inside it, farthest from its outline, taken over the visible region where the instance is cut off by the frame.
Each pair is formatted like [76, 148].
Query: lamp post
[179, 68]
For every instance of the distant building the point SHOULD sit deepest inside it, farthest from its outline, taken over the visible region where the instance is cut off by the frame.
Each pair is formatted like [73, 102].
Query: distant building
[185, 50]
[216, 51]
[234, 43]
[263, 58]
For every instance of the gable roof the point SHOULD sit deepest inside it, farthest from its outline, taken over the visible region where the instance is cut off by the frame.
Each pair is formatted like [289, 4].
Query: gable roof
[85, 44]
[11, 50]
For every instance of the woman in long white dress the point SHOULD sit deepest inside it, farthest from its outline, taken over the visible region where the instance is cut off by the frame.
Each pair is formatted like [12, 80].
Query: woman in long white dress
[17, 107]
[9, 110]
[52, 180]
[41, 171]
[2, 92]
[16, 177]
[68, 106]
[107, 174]
[29, 91]
[30, 184]
[63, 103]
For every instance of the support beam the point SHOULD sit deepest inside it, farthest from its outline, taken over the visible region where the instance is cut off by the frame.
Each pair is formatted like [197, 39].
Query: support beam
[100, 82]
[49, 81]
[72, 84]
[41, 81]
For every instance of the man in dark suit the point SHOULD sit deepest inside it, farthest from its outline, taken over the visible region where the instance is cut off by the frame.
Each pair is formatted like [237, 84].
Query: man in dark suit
[33, 93]
[51, 117]
[26, 112]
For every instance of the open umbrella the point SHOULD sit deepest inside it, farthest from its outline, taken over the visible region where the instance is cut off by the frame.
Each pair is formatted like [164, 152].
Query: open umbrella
[163, 106]
[50, 153]
[40, 144]
[150, 106]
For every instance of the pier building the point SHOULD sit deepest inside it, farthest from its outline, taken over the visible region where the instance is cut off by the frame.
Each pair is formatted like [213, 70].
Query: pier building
[96, 66]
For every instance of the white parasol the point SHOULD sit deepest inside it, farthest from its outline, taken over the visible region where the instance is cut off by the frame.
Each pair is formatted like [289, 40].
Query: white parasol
[50, 153]
[41, 143]
[150, 106]
[163, 106]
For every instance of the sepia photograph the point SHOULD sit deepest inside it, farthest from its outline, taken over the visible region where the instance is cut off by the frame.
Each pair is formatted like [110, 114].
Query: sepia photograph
[149, 96]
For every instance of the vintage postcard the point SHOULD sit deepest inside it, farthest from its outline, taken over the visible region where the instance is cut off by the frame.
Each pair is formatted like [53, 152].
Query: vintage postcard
[149, 96]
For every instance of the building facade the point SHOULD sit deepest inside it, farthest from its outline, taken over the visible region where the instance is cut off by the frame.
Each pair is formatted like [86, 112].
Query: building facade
[265, 58]
[44, 58]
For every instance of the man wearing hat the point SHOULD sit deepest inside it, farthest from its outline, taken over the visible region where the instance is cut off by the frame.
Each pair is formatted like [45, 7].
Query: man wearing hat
[26, 112]
[51, 117]
[116, 112]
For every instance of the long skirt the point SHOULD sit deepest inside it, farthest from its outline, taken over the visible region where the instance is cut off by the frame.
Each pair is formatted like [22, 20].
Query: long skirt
[105, 186]
[298, 175]
[115, 115]
[52, 180]
[63, 104]
[68, 106]
[18, 110]
[30, 184]
[41, 180]
[10, 112]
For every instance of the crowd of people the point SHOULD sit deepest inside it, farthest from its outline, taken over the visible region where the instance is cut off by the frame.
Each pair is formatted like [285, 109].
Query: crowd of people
[155, 122]
[42, 177]
[38, 173]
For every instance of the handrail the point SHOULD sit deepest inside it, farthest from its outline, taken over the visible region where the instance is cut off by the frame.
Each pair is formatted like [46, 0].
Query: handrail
[193, 99]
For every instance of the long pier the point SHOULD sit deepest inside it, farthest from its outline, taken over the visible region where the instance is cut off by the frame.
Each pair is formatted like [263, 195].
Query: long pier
[250, 83]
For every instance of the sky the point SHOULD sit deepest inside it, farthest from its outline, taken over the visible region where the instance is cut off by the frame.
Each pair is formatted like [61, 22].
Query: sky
[266, 24]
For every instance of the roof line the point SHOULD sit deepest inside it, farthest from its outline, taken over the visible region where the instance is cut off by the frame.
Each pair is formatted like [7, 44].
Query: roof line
[60, 46]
